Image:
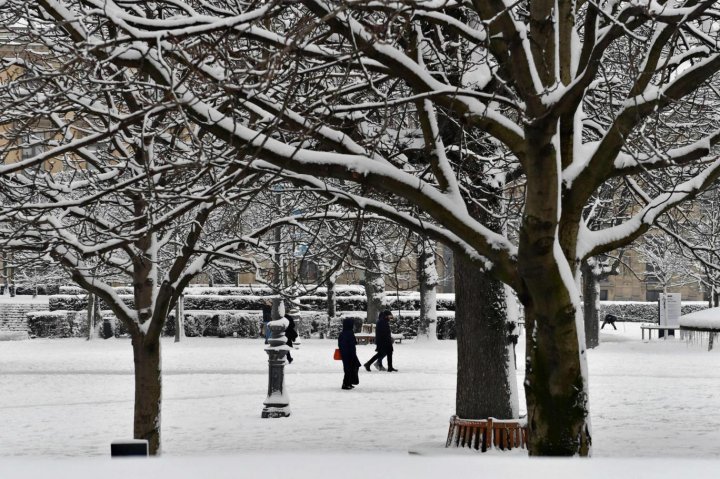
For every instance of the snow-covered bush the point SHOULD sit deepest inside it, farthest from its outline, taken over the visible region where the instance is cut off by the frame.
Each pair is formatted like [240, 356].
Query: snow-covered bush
[642, 311]
[246, 290]
[405, 323]
[55, 324]
[223, 303]
[78, 290]
[29, 290]
[79, 302]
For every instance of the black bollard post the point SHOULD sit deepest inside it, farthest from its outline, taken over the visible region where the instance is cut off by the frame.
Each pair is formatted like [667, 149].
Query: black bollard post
[277, 403]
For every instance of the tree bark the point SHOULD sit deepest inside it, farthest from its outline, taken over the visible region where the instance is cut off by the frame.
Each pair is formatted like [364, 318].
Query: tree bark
[486, 364]
[591, 294]
[374, 289]
[91, 316]
[555, 387]
[148, 391]
[180, 319]
[331, 301]
[427, 283]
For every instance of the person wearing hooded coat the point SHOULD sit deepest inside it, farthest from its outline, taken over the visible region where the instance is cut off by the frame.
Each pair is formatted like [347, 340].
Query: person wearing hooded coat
[383, 342]
[348, 353]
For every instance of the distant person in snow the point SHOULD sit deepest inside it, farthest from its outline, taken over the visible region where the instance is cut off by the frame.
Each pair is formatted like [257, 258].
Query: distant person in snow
[351, 363]
[383, 343]
[609, 319]
[291, 334]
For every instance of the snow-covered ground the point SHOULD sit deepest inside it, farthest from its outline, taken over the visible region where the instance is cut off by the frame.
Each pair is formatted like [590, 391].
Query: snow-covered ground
[70, 397]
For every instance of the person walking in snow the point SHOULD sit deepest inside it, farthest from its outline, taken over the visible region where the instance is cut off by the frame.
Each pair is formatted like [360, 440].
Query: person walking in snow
[347, 345]
[609, 319]
[383, 343]
[291, 335]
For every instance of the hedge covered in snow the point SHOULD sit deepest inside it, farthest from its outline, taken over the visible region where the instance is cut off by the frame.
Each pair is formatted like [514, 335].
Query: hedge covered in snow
[641, 311]
[406, 323]
[224, 311]
[57, 324]
[30, 290]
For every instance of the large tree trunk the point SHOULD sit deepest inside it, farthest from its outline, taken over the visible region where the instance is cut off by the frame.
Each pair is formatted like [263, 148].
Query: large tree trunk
[486, 363]
[555, 385]
[556, 372]
[427, 283]
[148, 391]
[591, 293]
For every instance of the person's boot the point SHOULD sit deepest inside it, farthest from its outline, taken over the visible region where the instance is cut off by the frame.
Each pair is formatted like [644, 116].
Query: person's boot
[367, 366]
[390, 369]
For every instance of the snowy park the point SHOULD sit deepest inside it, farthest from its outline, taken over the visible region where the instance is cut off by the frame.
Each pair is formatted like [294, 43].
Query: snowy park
[72, 397]
[190, 190]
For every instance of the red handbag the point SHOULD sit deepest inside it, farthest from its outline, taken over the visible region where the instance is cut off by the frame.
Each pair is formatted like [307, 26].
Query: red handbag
[337, 356]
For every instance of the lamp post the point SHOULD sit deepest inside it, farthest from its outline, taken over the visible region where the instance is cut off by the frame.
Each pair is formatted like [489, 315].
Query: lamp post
[277, 403]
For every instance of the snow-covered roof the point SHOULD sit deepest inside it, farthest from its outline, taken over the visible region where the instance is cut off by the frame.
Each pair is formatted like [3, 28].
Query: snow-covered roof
[704, 319]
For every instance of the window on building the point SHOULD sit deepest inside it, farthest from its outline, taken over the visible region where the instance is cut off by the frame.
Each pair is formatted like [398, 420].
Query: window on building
[652, 295]
[33, 145]
[603, 295]
[308, 271]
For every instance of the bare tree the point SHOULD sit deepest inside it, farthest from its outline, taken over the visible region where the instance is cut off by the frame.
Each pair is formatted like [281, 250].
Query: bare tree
[334, 76]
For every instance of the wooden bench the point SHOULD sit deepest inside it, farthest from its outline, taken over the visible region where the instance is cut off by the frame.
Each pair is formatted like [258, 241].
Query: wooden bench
[367, 335]
[485, 433]
[651, 327]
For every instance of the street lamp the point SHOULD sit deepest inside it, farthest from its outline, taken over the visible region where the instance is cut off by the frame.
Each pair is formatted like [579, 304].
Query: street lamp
[277, 403]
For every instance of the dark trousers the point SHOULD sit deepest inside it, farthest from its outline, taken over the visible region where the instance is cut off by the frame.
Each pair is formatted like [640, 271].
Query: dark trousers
[611, 323]
[350, 369]
[379, 357]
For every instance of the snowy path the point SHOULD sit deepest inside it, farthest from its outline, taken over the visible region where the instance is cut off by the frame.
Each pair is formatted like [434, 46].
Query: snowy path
[72, 397]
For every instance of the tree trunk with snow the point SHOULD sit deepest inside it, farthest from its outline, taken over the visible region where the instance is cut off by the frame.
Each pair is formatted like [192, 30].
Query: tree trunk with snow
[486, 365]
[180, 319]
[148, 390]
[330, 284]
[556, 387]
[591, 295]
[331, 300]
[427, 283]
[374, 288]
[91, 317]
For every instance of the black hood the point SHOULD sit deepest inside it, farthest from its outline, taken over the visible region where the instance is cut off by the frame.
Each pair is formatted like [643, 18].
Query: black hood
[348, 324]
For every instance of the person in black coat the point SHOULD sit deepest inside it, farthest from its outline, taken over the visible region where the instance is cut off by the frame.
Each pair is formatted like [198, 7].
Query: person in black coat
[348, 353]
[291, 335]
[609, 319]
[383, 342]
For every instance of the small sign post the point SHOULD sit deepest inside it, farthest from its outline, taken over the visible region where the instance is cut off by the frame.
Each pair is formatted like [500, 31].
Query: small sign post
[669, 307]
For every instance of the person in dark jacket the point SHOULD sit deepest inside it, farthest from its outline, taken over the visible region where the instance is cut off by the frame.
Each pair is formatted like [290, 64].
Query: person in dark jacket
[383, 342]
[351, 363]
[609, 319]
[291, 335]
